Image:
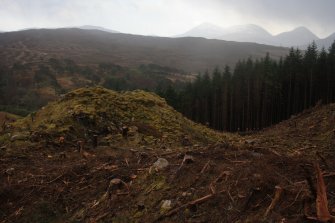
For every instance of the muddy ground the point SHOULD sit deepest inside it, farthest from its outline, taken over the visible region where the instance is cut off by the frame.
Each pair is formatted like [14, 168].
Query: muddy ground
[64, 185]
[268, 176]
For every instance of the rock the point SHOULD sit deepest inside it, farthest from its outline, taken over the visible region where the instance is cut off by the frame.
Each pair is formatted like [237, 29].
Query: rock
[250, 141]
[115, 181]
[18, 137]
[10, 171]
[160, 164]
[188, 159]
[185, 194]
[166, 205]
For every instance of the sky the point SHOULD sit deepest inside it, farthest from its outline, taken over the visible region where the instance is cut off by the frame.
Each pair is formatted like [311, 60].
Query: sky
[168, 17]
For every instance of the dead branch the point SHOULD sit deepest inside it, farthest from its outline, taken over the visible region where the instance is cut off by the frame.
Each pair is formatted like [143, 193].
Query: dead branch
[331, 174]
[51, 181]
[205, 167]
[274, 201]
[295, 199]
[269, 150]
[191, 203]
[282, 176]
[322, 211]
[224, 173]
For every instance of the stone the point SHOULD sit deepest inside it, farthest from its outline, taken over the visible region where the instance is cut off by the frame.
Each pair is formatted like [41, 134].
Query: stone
[18, 137]
[10, 171]
[166, 205]
[160, 164]
[188, 159]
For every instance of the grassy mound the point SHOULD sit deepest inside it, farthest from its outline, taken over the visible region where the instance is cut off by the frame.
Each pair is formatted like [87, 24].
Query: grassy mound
[85, 112]
[309, 132]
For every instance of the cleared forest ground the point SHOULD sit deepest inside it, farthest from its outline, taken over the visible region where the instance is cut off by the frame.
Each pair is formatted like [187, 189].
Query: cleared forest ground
[264, 177]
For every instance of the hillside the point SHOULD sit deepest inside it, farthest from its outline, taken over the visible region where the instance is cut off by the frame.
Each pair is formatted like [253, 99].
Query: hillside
[26, 88]
[85, 112]
[93, 47]
[256, 178]
[304, 134]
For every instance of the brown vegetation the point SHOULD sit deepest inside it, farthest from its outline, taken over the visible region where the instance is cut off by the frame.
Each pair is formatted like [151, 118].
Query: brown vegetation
[264, 177]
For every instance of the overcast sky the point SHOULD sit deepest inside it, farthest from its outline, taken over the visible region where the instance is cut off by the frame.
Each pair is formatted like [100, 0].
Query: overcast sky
[169, 17]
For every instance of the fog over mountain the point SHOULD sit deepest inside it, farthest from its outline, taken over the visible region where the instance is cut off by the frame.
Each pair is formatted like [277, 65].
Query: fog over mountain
[89, 27]
[247, 33]
[206, 30]
[298, 37]
[295, 37]
[326, 42]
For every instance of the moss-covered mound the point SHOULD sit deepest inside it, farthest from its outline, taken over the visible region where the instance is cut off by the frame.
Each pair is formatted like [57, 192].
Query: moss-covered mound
[97, 112]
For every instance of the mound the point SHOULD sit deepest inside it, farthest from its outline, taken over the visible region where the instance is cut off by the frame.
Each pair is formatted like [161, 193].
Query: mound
[308, 133]
[140, 117]
[6, 117]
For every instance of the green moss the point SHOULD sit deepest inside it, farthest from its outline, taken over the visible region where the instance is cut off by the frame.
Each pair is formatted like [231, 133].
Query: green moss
[100, 111]
[4, 139]
[158, 183]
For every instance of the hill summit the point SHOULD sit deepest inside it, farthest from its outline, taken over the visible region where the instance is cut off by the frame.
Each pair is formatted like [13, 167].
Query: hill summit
[111, 116]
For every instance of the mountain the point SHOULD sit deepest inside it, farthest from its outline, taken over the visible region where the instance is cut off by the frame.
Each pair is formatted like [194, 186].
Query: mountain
[240, 33]
[89, 27]
[296, 37]
[94, 47]
[206, 30]
[300, 36]
[326, 42]
[247, 33]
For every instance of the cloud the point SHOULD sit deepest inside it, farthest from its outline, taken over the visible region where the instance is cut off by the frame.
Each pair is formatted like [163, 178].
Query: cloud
[168, 17]
[316, 15]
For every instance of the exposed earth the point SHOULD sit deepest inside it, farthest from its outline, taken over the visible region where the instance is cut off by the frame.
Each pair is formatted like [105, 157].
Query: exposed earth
[101, 156]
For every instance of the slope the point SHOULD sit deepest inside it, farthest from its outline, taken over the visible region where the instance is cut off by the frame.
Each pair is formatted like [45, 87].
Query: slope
[93, 46]
[236, 180]
[86, 112]
[297, 37]
[305, 134]
[326, 42]
[33, 85]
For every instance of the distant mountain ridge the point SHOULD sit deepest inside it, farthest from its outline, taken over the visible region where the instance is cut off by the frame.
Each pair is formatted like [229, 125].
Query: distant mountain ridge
[94, 46]
[89, 27]
[205, 30]
[298, 37]
[326, 42]
[295, 37]
[247, 33]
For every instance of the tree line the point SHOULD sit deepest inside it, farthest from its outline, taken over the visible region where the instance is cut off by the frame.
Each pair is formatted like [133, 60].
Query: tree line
[258, 93]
